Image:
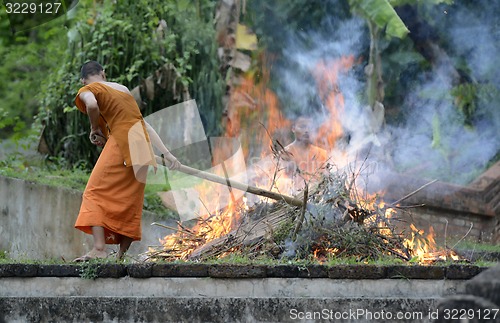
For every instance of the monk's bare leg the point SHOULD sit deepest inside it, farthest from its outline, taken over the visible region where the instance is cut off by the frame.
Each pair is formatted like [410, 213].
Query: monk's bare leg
[99, 249]
[124, 245]
[99, 242]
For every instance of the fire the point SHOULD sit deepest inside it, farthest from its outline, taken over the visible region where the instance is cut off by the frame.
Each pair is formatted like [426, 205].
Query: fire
[421, 247]
[181, 244]
[418, 244]
[326, 74]
[424, 248]
[254, 113]
[321, 254]
[255, 117]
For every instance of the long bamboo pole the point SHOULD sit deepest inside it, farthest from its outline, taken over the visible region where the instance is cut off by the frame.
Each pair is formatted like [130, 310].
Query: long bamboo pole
[235, 184]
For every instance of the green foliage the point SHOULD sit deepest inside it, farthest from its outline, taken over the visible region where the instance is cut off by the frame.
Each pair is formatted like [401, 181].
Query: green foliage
[400, 65]
[483, 263]
[90, 269]
[132, 39]
[242, 258]
[465, 100]
[53, 172]
[153, 203]
[396, 3]
[16, 166]
[351, 260]
[24, 260]
[27, 59]
[284, 231]
[382, 14]
[9, 122]
[275, 21]
[478, 246]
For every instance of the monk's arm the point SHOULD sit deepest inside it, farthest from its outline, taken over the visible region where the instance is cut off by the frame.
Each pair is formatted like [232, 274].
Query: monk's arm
[158, 143]
[90, 102]
[93, 112]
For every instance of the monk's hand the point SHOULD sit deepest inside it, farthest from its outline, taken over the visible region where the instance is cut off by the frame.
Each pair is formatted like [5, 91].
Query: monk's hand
[97, 138]
[173, 163]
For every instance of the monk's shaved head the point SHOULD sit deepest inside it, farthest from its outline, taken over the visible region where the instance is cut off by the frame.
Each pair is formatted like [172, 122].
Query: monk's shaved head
[90, 68]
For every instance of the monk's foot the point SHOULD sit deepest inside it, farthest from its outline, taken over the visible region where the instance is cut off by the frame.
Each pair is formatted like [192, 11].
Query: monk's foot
[120, 254]
[92, 254]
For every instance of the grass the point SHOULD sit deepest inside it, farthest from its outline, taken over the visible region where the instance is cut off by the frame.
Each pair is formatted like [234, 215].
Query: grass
[386, 260]
[240, 259]
[482, 263]
[153, 202]
[5, 259]
[52, 173]
[68, 178]
[477, 246]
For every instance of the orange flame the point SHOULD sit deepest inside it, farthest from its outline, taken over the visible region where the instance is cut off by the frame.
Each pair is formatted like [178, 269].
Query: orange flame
[326, 76]
[254, 115]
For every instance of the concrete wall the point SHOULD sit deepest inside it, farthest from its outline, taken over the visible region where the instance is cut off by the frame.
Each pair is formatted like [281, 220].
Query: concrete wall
[171, 299]
[37, 222]
[197, 292]
[454, 211]
[215, 310]
[451, 225]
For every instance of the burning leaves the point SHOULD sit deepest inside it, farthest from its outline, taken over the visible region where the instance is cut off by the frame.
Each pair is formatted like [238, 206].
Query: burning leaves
[185, 241]
[424, 249]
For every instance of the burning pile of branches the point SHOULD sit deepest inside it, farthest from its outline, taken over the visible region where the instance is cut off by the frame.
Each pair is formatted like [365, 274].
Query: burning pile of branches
[335, 221]
[330, 218]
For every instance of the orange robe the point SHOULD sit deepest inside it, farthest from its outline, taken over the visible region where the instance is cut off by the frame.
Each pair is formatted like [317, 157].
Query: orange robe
[113, 197]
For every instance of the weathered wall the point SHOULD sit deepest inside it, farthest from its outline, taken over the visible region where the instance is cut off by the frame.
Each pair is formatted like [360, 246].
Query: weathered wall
[450, 225]
[37, 222]
[453, 211]
[223, 293]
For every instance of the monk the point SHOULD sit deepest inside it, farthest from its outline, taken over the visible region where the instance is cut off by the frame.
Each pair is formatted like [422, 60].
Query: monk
[303, 160]
[112, 202]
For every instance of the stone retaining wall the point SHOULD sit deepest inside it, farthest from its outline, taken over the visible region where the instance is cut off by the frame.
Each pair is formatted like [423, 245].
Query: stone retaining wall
[193, 292]
[152, 270]
[480, 302]
[37, 222]
[454, 211]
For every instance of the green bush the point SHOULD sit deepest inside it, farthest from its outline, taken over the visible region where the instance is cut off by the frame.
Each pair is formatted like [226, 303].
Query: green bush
[125, 37]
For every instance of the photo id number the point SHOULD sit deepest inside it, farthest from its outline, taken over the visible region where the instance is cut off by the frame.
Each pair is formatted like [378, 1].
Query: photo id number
[31, 7]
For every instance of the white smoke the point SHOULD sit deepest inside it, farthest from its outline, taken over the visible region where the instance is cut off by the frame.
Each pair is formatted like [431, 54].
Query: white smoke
[433, 141]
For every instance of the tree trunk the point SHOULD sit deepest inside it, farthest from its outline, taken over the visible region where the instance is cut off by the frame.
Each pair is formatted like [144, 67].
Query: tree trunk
[227, 19]
[375, 85]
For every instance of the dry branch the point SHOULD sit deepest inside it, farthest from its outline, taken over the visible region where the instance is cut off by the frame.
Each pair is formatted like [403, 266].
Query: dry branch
[302, 212]
[413, 193]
